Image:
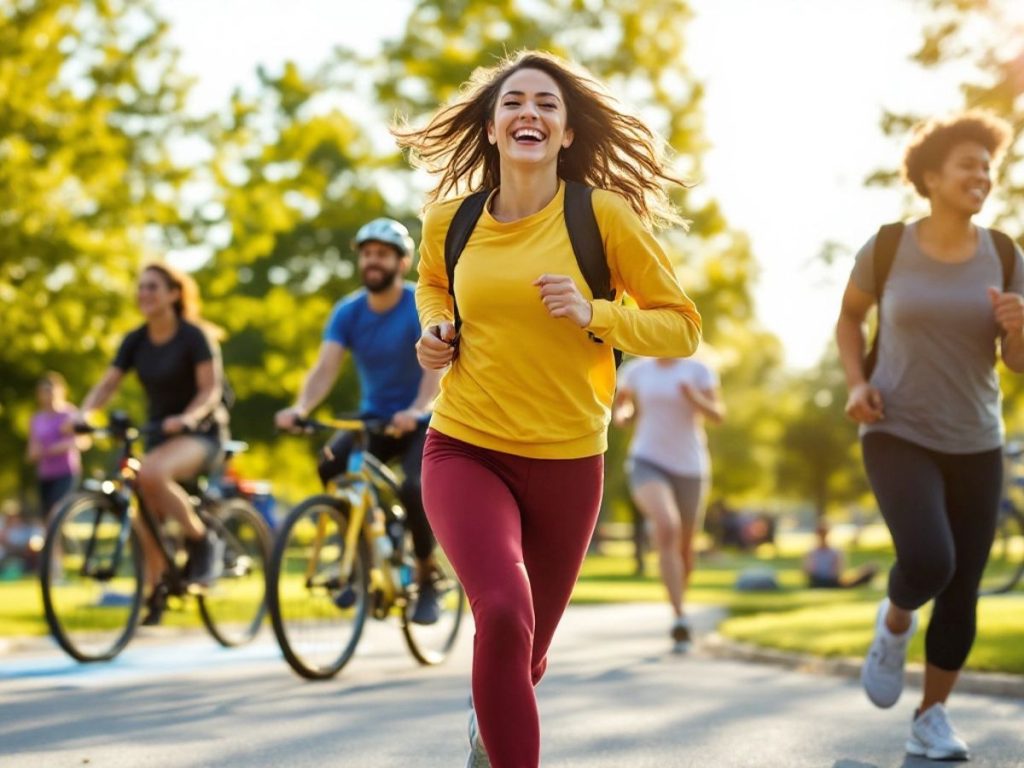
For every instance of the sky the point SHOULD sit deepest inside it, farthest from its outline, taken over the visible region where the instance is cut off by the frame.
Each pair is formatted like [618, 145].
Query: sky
[794, 93]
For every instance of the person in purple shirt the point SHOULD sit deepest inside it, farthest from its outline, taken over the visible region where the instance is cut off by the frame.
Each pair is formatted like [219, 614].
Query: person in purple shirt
[55, 454]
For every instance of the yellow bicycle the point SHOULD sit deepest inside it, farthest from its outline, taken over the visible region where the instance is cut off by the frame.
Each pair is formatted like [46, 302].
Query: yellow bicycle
[345, 554]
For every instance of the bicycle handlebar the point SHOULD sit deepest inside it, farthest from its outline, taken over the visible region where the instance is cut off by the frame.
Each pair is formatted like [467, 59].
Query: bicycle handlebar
[373, 426]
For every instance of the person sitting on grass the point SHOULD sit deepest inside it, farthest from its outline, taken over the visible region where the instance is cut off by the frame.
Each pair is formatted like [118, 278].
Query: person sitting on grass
[825, 566]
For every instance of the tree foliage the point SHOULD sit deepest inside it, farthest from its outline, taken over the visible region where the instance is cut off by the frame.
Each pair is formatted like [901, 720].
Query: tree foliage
[91, 101]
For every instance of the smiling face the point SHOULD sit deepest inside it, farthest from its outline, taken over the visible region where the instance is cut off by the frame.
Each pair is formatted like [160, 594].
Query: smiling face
[530, 123]
[964, 179]
[155, 294]
[380, 265]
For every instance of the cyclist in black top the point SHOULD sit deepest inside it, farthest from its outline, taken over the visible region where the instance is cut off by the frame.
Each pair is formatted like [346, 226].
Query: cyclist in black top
[178, 363]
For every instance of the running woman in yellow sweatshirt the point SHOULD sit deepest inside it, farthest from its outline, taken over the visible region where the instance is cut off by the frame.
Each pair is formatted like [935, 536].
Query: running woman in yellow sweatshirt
[513, 463]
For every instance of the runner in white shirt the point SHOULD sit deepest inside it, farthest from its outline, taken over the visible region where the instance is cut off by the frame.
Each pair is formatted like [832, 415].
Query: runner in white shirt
[669, 466]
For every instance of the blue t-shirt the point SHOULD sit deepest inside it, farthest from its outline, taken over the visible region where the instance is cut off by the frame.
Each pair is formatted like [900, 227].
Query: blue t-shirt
[384, 348]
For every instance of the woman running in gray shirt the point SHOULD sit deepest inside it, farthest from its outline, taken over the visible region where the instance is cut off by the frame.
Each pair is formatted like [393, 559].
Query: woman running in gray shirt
[930, 410]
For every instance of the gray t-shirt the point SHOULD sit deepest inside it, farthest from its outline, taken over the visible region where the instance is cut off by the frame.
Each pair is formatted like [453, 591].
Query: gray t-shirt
[937, 350]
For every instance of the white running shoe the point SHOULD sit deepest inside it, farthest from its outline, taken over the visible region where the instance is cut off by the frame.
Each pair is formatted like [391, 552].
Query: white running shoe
[882, 673]
[933, 736]
[477, 754]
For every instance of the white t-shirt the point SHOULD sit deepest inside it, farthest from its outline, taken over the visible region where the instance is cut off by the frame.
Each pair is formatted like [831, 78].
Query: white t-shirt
[669, 430]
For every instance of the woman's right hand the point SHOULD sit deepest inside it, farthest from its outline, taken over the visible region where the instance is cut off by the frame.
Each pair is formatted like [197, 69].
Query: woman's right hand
[436, 347]
[864, 405]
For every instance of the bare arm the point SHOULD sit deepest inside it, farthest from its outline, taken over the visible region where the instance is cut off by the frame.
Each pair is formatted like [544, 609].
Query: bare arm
[316, 386]
[624, 407]
[864, 404]
[430, 385]
[1008, 309]
[100, 394]
[708, 402]
[407, 419]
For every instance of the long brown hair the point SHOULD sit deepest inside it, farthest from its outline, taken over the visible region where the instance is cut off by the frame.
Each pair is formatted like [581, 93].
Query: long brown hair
[188, 305]
[611, 148]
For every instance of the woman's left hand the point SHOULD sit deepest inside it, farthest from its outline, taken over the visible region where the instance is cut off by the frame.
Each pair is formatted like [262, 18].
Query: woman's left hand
[1009, 311]
[563, 299]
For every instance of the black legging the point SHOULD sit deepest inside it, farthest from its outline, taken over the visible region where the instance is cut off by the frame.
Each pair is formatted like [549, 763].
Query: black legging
[941, 510]
[385, 448]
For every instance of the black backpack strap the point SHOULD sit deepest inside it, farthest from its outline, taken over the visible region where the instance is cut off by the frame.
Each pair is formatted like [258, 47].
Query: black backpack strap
[587, 245]
[882, 256]
[455, 240]
[1007, 251]
[886, 242]
[586, 239]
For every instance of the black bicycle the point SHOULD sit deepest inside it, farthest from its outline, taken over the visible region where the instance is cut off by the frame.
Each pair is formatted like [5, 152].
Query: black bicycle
[346, 554]
[1005, 568]
[92, 562]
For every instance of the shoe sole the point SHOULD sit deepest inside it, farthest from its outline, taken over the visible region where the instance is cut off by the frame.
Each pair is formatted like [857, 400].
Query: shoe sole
[919, 750]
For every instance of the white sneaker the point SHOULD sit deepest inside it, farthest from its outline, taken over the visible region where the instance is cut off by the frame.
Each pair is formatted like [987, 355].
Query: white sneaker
[477, 754]
[933, 736]
[882, 673]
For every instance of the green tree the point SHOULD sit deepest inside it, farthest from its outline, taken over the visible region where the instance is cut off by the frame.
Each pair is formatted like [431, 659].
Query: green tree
[638, 47]
[820, 453]
[90, 109]
[982, 42]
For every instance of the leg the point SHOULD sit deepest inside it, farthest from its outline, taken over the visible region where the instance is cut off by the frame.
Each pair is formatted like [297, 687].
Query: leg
[177, 459]
[476, 517]
[559, 515]
[690, 493]
[973, 487]
[333, 459]
[653, 494]
[908, 484]
[412, 493]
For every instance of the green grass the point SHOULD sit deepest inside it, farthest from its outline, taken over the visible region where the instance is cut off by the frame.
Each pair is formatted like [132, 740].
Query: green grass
[822, 622]
[831, 623]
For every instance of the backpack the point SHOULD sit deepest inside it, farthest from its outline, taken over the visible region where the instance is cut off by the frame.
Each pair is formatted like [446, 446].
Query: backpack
[584, 236]
[887, 241]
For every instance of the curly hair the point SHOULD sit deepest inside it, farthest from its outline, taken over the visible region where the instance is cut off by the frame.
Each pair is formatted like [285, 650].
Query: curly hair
[612, 149]
[933, 140]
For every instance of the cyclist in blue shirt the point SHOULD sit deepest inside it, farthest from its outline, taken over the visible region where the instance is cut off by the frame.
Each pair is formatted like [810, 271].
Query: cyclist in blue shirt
[380, 327]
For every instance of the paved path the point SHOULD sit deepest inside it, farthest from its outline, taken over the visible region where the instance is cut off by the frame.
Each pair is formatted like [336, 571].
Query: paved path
[613, 698]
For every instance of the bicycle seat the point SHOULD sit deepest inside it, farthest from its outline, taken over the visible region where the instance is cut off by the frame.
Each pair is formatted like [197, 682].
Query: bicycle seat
[234, 447]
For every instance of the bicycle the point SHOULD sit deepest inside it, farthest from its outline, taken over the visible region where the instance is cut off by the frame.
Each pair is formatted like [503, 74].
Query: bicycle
[1005, 567]
[345, 554]
[92, 564]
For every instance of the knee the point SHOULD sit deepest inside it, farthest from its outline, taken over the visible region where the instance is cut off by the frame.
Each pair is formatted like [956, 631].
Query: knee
[930, 573]
[667, 532]
[152, 477]
[330, 466]
[505, 618]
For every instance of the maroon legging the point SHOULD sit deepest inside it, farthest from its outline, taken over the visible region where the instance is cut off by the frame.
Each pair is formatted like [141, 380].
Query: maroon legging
[516, 531]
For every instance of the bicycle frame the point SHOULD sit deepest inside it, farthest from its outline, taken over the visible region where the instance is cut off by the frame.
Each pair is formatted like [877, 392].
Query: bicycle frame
[363, 475]
[121, 480]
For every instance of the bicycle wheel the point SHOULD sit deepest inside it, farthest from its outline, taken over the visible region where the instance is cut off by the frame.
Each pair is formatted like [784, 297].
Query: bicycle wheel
[1005, 567]
[233, 607]
[431, 643]
[91, 577]
[317, 617]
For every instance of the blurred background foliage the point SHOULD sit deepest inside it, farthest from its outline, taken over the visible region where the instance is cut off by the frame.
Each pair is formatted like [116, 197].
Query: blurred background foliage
[102, 167]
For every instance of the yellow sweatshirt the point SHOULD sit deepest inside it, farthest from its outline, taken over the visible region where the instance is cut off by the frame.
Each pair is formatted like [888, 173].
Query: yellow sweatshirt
[524, 382]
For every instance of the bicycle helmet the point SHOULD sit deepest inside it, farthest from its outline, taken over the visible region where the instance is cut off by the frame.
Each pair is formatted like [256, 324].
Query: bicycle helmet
[387, 231]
